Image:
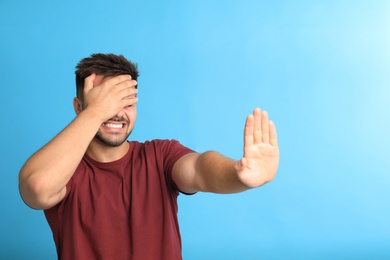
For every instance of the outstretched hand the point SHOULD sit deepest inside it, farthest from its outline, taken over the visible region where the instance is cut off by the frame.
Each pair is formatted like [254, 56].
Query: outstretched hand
[261, 153]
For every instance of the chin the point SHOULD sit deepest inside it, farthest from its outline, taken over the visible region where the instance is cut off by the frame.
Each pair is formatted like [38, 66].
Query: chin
[110, 141]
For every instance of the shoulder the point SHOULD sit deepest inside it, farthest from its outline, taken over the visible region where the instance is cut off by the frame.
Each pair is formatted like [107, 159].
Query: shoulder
[170, 150]
[157, 143]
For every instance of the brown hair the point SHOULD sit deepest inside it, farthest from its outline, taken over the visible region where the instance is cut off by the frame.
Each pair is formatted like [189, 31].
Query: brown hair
[103, 64]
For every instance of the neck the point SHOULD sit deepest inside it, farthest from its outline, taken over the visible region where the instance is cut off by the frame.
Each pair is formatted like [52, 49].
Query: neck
[103, 153]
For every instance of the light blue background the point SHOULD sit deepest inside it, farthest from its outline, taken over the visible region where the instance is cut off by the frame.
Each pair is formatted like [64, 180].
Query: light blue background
[321, 69]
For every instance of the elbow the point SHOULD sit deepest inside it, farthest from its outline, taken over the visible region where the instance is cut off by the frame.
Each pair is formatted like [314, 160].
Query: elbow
[33, 192]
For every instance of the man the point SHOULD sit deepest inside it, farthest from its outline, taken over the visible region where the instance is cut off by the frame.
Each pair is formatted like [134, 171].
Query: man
[105, 197]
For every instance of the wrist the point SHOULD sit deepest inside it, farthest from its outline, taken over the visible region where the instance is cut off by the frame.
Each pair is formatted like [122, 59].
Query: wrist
[92, 116]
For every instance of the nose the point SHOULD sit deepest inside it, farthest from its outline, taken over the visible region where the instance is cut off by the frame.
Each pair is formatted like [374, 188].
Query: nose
[121, 113]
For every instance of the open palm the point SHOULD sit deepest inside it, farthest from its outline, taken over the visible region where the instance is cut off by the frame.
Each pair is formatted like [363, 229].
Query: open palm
[261, 153]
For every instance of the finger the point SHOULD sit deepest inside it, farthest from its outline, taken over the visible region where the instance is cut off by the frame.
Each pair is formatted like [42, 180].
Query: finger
[130, 96]
[88, 82]
[248, 131]
[257, 126]
[128, 92]
[129, 101]
[273, 138]
[126, 84]
[265, 126]
[119, 79]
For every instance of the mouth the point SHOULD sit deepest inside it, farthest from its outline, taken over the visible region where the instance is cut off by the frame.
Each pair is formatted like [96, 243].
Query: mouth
[114, 125]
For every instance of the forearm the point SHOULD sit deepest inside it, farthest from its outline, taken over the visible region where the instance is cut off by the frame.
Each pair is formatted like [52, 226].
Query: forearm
[46, 173]
[213, 172]
[217, 173]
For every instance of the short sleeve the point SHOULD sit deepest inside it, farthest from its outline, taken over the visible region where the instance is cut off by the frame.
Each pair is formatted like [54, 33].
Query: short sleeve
[172, 151]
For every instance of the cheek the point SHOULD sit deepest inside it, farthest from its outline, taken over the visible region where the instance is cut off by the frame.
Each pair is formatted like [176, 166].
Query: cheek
[131, 113]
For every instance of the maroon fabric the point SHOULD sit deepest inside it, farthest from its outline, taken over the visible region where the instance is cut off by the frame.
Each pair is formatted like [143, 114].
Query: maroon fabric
[126, 209]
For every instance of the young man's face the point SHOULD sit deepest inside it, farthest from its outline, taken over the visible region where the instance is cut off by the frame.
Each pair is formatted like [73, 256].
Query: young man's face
[116, 130]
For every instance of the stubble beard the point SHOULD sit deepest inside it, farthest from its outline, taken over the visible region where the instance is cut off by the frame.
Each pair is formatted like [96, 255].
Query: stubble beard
[112, 142]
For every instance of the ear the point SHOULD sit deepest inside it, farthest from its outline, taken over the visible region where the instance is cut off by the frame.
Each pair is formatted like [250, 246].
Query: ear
[77, 105]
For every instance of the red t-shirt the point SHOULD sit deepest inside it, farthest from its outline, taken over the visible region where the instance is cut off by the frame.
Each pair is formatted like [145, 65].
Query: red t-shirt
[126, 209]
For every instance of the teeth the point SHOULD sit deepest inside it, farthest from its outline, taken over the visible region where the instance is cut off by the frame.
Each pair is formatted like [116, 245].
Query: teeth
[114, 125]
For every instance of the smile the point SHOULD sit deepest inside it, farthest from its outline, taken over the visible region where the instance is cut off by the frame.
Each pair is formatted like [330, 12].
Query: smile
[112, 125]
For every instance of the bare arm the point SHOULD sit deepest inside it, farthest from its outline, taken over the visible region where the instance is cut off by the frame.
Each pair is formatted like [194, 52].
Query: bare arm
[213, 172]
[43, 178]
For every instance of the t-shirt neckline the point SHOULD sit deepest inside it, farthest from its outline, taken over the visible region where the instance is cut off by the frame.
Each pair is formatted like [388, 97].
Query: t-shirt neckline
[112, 163]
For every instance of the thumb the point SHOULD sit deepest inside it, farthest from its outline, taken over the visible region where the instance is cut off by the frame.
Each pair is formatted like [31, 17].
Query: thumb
[88, 82]
[240, 164]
